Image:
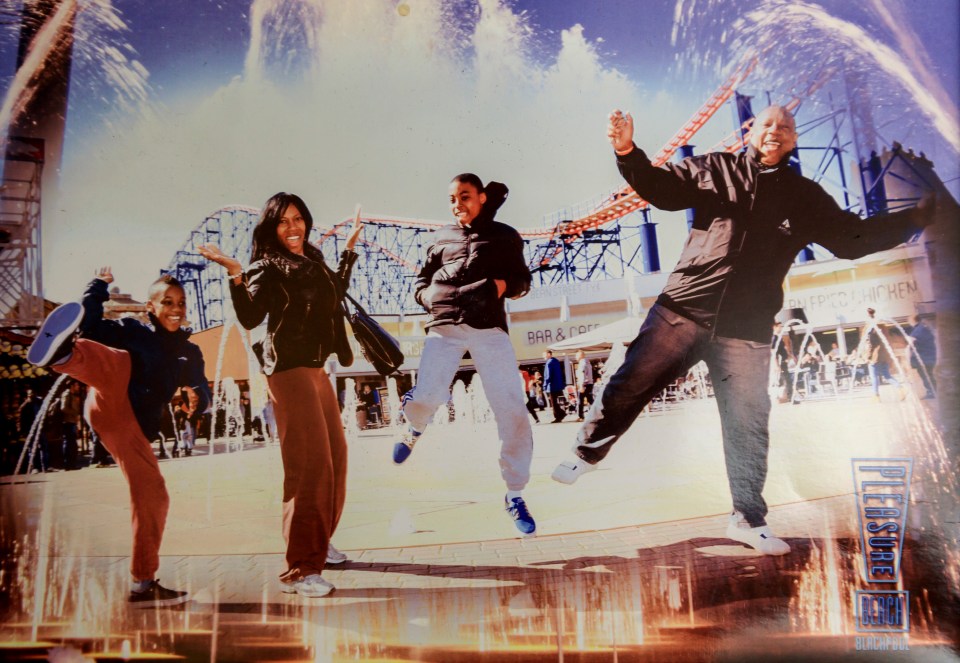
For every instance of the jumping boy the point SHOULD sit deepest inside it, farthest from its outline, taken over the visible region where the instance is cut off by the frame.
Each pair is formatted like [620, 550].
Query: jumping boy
[470, 268]
[133, 370]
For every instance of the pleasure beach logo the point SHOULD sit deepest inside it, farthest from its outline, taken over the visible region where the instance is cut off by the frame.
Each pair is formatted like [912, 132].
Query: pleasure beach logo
[882, 487]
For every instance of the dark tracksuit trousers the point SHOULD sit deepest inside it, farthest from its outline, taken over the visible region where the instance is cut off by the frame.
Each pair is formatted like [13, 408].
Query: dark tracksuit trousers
[666, 347]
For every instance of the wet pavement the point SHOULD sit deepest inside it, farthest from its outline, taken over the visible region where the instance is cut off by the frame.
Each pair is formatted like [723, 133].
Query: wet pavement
[630, 563]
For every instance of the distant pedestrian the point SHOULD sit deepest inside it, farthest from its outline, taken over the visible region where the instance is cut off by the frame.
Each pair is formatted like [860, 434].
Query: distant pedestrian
[554, 383]
[810, 366]
[270, 422]
[101, 457]
[786, 360]
[70, 411]
[876, 349]
[924, 355]
[530, 393]
[538, 388]
[27, 414]
[186, 419]
[584, 383]
[369, 399]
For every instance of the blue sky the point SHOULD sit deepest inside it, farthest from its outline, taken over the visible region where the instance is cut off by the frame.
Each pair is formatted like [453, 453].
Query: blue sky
[187, 44]
[383, 109]
[196, 43]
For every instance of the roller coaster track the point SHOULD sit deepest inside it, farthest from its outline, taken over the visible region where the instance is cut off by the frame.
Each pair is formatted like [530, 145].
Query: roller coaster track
[393, 247]
[619, 204]
[736, 140]
[341, 228]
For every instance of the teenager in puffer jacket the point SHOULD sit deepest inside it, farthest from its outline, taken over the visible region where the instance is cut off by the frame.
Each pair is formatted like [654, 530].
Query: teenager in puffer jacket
[471, 267]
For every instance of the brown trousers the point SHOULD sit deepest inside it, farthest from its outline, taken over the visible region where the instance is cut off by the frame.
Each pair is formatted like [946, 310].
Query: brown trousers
[107, 372]
[314, 453]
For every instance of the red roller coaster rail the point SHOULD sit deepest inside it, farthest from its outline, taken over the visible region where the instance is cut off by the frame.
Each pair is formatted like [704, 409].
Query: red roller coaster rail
[619, 204]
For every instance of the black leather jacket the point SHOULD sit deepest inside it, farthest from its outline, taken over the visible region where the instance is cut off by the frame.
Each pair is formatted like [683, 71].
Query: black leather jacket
[300, 298]
[749, 224]
[456, 283]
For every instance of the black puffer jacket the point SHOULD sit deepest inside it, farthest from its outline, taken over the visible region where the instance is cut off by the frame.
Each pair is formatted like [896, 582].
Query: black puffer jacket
[456, 284]
[160, 361]
[749, 224]
[300, 297]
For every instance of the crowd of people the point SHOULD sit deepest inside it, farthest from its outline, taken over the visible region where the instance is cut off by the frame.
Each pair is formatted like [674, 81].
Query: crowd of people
[547, 387]
[65, 441]
[883, 355]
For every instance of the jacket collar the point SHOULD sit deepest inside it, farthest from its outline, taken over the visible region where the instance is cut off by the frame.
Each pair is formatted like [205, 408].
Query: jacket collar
[181, 334]
[481, 221]
[753, 156]
[289, 263]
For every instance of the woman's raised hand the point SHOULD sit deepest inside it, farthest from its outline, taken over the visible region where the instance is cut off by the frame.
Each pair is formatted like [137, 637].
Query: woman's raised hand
[213, 253]
[355, 231]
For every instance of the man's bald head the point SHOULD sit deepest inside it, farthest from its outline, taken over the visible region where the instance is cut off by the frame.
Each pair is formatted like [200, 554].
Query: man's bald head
[773, 134]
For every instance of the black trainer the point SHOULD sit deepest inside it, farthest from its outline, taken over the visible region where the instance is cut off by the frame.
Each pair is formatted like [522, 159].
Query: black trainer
[157, 596]
[54, 340]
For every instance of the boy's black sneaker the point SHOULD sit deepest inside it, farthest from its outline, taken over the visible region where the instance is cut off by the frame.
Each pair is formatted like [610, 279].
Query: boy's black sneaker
[157, 596]
[54, 340]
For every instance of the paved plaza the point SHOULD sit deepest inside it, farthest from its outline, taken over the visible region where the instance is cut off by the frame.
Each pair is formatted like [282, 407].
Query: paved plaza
[630, 563]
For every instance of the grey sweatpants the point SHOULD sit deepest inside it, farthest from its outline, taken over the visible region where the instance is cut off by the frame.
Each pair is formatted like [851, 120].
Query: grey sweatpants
[496, 363]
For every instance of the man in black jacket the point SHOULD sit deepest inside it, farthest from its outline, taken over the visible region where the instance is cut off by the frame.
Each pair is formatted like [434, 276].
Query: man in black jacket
[752, 214]
[470, 268]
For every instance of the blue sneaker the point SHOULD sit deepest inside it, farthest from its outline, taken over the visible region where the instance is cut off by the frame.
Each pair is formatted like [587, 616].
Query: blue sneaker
[54, 340]
[403, 448]
[517, 509]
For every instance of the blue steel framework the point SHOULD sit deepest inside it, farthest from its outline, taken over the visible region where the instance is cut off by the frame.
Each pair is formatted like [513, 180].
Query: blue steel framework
[607, 237]
[230, 228]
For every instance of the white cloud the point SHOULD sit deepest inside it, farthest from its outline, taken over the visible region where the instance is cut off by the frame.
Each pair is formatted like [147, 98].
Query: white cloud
[377, 108]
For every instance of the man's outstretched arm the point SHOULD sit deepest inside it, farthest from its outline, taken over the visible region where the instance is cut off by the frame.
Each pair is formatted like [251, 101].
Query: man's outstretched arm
[668, 187]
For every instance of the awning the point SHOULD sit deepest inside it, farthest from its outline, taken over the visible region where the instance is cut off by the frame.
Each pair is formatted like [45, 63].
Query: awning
[603, 337]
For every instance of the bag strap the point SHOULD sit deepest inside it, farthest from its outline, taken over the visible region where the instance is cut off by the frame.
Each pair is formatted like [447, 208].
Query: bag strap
[356, 306]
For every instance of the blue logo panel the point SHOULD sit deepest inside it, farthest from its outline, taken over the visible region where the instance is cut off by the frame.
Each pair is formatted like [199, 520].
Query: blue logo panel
[883, 611]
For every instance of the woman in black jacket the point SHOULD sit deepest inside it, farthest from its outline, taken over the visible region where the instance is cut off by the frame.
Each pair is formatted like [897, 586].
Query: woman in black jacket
[289, 284]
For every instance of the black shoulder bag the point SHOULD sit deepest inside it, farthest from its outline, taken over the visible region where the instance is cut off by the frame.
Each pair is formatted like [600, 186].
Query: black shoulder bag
[378, 346]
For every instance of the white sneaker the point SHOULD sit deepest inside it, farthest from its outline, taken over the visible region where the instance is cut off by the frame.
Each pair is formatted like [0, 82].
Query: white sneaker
[334, 556]
[311, 586]
[570, 470]
[759, 538]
